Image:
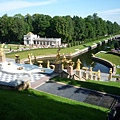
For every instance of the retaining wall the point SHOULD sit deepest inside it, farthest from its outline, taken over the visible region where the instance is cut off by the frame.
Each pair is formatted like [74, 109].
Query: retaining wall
[106, 63]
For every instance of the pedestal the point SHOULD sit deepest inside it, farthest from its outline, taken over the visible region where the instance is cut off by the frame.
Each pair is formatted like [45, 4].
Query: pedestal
[2, 59]
[70, 70]
[58, 68]
[94, 77]
[17, 60]
[78, 72]
[85, 75]
[90, 76]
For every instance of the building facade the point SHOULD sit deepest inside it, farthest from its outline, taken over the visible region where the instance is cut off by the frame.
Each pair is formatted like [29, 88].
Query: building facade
[32, 39]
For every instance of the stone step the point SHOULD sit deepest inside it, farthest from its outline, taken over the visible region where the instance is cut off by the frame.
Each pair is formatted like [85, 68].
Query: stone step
[39, 82]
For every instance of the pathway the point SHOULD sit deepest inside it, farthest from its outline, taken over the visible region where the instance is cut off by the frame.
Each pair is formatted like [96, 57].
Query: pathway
[80, 94]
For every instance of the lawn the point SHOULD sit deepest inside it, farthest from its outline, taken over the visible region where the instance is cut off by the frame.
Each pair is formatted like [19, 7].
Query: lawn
[107, 87]
[112, 58]
[35, 105]
[43, 51]
[48, 51]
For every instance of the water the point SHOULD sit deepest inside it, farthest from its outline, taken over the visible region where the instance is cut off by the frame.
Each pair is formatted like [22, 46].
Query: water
[87, 61]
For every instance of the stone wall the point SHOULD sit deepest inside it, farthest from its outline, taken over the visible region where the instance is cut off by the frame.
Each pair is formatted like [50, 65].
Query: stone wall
[105, 62]
[23, 86]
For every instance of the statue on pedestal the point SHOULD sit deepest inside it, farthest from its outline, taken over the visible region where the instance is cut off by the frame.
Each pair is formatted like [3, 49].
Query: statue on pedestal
[78, 64]
[30, 60]
[98, 74]
[90, 73]
[17, 60]
[48, 64]
[64, 58]
[58, 62]
[58, 56]
[110, 74]
[2, 54]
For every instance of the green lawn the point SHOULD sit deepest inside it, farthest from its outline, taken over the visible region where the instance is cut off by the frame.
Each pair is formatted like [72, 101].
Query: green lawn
[43, 51]
[48, 51]
[112, 58]
[35, 105]
[107, 87]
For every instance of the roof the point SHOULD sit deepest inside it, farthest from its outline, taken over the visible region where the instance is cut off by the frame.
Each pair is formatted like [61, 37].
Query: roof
[30, 33]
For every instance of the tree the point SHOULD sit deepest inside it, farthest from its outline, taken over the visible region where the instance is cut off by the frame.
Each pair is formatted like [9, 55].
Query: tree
[70, 29]
[40, 24]
[4, 28]
[18, 28]
[28, 20]
[59, 27]
[79, 28]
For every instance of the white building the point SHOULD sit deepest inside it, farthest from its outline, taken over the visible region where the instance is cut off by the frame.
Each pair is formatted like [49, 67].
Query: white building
[31, 39]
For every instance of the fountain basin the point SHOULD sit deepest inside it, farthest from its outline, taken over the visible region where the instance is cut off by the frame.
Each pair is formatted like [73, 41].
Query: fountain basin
[12, 67]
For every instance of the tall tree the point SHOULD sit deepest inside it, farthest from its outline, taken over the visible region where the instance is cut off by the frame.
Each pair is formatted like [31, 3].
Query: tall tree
[70, 29]
[79, 28]
[18, 28]
[40, 24]
[28, 20]
[4, 27]
[59, 27]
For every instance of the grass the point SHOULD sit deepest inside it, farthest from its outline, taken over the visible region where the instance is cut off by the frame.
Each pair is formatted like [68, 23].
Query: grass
[35, 105]
[112, 58]
[43, 51]
[95, 41]
[107, 87]
[48, 51]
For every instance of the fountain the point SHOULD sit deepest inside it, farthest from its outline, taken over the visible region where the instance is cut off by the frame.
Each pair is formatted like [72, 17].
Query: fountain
[14, 75]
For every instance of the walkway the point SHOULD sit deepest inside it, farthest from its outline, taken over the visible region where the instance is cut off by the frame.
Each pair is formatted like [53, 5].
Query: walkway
[80, 94]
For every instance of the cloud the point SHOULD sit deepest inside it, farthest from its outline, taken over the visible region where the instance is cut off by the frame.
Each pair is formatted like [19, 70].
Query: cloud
[110, 12]
[10, 5]
[112, 15]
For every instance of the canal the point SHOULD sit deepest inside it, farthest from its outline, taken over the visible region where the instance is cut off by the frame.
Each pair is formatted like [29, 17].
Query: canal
[87, 61]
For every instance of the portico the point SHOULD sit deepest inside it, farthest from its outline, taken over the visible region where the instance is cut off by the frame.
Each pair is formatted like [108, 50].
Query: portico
[31, 38]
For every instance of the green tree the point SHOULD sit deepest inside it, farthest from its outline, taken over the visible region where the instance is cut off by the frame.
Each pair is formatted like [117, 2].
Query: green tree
[79, 28]
[59, 27]
[18, 28]
[28, 20]
[40, 24]
[4, 28]
[70, 29]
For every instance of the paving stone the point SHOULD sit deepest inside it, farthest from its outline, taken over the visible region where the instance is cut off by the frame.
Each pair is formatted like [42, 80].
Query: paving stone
[80, 95]
[93, 98]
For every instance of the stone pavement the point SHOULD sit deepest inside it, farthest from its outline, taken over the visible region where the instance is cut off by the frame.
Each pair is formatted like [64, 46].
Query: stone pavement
[80, 94]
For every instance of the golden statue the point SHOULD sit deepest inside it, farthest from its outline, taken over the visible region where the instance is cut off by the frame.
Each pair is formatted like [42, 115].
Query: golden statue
[110, 74]
[78, 64]
[2, 45]
[110, 71]
[98, 74]
[2, 50]
[58, 56]
[2, 54]
[30, 58]
[64, 58]
[48, 64]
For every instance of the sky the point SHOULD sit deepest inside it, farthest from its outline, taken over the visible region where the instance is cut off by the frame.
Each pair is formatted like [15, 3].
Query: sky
[106, 9]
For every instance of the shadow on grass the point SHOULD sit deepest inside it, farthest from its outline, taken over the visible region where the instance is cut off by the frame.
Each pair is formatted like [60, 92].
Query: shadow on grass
[107, 87]
[35, 105]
